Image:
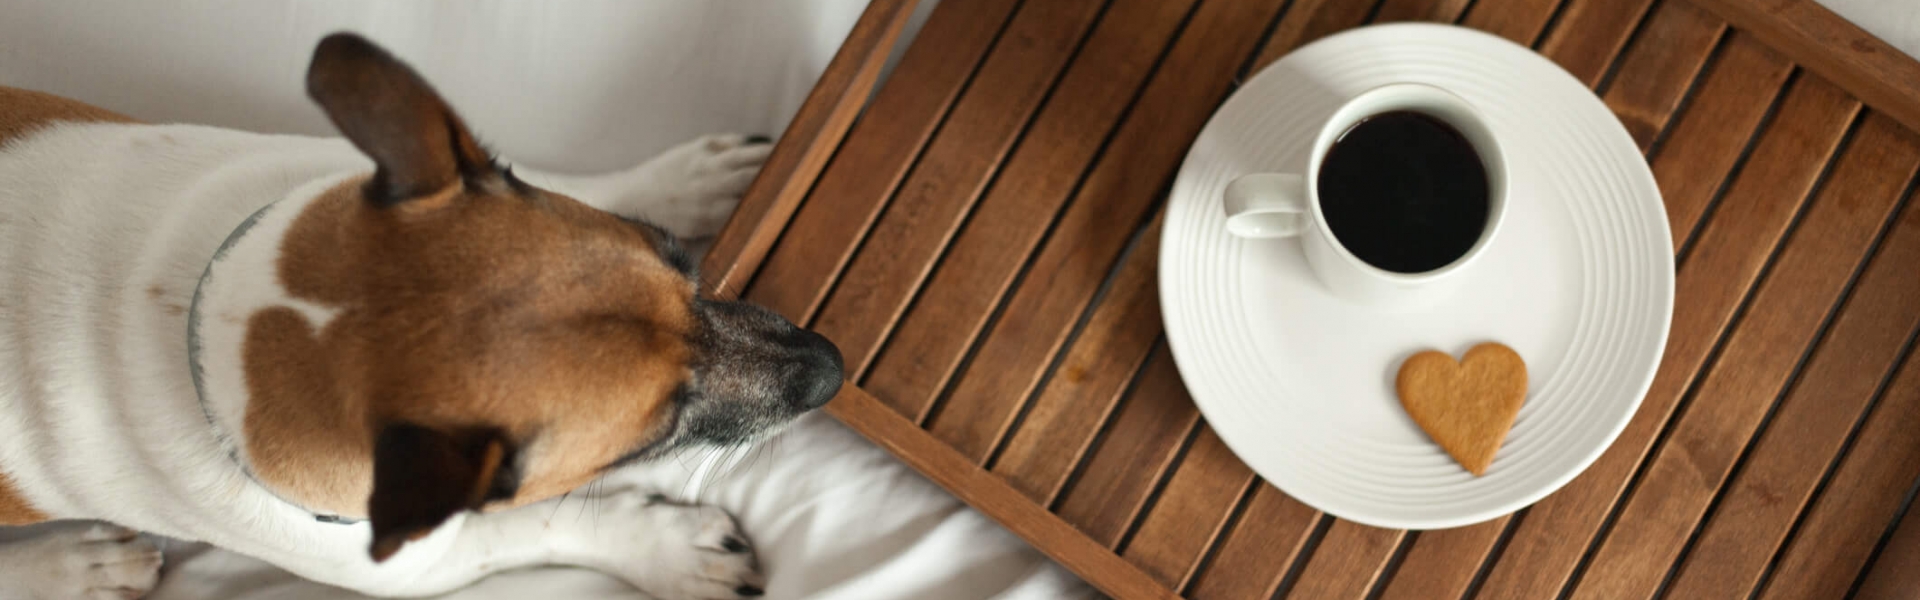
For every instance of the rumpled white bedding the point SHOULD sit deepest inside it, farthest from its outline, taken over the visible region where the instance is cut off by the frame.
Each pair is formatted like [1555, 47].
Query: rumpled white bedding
[575, 86]
[832, 515]
[1895, 21]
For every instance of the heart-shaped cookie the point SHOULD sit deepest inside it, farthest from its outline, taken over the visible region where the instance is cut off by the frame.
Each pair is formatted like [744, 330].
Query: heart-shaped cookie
[1466, 406]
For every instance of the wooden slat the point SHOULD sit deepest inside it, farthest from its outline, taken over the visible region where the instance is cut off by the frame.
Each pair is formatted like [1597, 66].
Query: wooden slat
[1347, 561]
[1709, 135]
[1316, 23]
[1547, 544]
[1440, 11]
[1655, 73]
[956, 168]
[1658, 68]
[1190, 512]
[1303, 23]
[1443, 562]
[1895, 574]
[1113, 201]
[992, 496]
[1309, 20]
[1254, 557]
[1061, 423]
[1786, 313]
[876, 155]
[1520, 21]
[1836, 535]
[1183, 540]
[1786, 463]
[1137, 450]
[1590, 34]
[1010, 221]
[1450, 559]
[811, 137]
[1832, 545]
[1883, 76]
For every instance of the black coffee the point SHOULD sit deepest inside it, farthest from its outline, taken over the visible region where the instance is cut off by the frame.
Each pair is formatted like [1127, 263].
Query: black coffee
[1404, 191]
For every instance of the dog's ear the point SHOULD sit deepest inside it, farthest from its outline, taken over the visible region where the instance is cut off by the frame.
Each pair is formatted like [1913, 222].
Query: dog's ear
[418, 144]
[422, 476]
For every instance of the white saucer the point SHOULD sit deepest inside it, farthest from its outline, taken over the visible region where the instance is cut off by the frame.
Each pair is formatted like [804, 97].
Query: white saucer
[1300, 384]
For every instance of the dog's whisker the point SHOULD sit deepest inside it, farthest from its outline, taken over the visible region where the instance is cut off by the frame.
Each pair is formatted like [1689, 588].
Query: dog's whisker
[598, 482]
[692, 473]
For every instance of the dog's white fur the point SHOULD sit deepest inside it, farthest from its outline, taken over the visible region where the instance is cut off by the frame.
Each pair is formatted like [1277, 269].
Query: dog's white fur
[105, 230]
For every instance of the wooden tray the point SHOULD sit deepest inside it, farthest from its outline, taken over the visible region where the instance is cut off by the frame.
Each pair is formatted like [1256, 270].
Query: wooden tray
[981, 240]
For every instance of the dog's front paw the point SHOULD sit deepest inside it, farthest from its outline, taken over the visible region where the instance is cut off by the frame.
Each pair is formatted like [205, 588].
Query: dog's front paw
[691, 189]
[96, 562]
[676, 551]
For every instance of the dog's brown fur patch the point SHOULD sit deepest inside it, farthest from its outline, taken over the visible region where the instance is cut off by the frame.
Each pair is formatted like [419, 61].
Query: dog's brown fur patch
[527, 312]
[14, 509]
[25, 111]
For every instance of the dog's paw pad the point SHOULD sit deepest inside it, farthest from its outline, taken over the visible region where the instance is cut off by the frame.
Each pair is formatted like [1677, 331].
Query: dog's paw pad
[94, 562]
[687, 551]
[120, 563]
[721, 142]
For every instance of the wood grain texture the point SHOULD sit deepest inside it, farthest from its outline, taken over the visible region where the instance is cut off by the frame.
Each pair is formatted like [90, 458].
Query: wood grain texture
[1136, 452]
[1436, 11]
[1304, 21]
[810, 139]
[1657, 70]
[1520, 21]
[993, 497]
[1881, 75]
[1895, 574]
[1787, 311]
[1443, 562]
[1190, 512]
[1655, 73]
[1066, 160]
[1062, 421]
[1547, 545]
[956, 167]
[1347, 561]
[1836, 535]
[876, 156]
[1309, 20]
[1708, 137]
[1036, 180]
[1786, 463]
[1590, 34]
[1114, 200]
[1253, 559]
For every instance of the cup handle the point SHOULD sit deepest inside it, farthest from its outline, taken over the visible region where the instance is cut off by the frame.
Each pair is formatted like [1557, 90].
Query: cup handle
[1266, 205]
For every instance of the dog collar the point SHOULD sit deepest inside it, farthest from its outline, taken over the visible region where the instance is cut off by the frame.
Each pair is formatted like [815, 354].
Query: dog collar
[199, 372]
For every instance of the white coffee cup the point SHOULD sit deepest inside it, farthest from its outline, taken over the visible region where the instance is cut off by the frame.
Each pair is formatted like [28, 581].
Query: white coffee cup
[1277, 205]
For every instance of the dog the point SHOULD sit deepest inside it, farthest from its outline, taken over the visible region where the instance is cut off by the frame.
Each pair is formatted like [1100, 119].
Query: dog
[377, 362]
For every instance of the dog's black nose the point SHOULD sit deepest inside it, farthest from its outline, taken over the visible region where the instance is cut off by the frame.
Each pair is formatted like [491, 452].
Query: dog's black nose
[822, 370]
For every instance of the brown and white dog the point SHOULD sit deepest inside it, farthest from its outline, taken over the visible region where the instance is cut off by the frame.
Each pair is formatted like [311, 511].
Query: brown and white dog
[278, 346]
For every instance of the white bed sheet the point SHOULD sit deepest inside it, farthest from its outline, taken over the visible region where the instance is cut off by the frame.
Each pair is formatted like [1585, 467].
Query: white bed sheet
[1895, 21]
[577, 86]
[833, 517]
